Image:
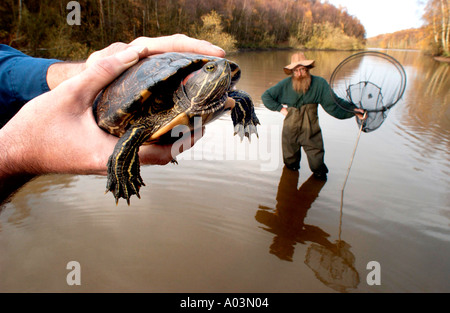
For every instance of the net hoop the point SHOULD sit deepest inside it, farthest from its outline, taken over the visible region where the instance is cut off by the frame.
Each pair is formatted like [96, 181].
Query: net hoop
[378, 54]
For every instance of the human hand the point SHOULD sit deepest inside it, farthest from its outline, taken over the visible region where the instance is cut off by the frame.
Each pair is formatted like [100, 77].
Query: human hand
[57, 133]
[59, 72]
[361, 114]
[172, 43]
[284, 111]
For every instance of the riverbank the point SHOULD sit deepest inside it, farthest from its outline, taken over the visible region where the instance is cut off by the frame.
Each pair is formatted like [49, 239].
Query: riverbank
[288, 48]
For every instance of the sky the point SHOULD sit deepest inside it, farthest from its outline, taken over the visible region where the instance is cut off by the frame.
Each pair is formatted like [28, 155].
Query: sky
[385, 16]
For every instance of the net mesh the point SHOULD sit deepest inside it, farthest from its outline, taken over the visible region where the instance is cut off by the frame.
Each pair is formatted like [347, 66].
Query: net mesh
[372, 81]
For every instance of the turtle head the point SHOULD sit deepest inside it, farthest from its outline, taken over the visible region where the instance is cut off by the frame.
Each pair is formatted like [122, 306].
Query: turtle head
[206, 89]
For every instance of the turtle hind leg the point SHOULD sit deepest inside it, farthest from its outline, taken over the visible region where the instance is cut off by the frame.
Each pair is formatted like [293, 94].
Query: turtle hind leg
[243, 114]
[124, 179]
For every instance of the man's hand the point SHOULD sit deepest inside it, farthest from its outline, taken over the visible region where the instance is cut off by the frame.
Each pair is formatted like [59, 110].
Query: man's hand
[173, 43]
[284, 111]
[58, 72]
[57, 133]
[178, 43]
[361, 114]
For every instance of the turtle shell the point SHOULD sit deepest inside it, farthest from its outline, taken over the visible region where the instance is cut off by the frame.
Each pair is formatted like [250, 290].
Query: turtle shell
[147, 88]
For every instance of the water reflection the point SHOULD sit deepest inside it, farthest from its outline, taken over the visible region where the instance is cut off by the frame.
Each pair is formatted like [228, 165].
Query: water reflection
[332, 263]
[433, 84]
[20, 204]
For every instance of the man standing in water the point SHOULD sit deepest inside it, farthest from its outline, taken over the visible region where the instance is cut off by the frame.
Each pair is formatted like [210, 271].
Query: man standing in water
[297, 98]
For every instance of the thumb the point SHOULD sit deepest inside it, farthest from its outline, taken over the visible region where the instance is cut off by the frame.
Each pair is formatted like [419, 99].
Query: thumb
[103, 71]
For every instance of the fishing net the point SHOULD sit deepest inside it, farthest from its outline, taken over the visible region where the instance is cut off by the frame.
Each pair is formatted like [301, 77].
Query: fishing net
[372, 81]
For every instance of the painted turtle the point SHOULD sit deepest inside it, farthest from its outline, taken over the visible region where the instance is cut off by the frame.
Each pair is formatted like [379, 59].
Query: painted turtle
[158, 93]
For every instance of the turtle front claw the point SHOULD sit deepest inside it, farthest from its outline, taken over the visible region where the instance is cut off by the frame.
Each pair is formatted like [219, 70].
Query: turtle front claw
[124, 178]
[243, 114]
[123, 183]
[247, 130]
[123, 188]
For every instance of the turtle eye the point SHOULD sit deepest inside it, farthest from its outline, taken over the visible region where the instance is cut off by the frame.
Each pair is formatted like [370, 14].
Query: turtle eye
[210, 67]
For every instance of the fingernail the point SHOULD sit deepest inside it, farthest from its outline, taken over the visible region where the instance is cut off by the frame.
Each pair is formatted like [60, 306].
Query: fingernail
[218, 48]
[128, 56]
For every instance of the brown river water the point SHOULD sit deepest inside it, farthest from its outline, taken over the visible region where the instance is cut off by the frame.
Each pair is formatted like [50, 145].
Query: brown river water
[228, 218]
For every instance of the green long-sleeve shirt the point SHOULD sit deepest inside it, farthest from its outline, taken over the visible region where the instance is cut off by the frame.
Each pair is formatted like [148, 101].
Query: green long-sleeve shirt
[318, 93]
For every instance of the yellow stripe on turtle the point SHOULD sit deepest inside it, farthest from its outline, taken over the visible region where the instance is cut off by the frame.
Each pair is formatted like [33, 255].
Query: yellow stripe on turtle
[145, 94]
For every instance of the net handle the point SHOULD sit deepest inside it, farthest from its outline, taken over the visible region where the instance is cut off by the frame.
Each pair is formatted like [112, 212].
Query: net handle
[346, 177]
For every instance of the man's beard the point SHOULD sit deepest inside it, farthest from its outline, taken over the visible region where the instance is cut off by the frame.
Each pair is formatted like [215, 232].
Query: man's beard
[301, 84]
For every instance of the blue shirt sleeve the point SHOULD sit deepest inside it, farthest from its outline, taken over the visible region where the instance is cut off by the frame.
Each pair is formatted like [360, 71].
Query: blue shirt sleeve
[22, 78]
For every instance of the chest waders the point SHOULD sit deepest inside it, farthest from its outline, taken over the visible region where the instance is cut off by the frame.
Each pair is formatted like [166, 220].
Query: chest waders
[301, 129]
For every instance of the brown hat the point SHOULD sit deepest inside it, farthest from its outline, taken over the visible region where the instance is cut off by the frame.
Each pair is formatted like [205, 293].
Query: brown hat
[296, 60]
